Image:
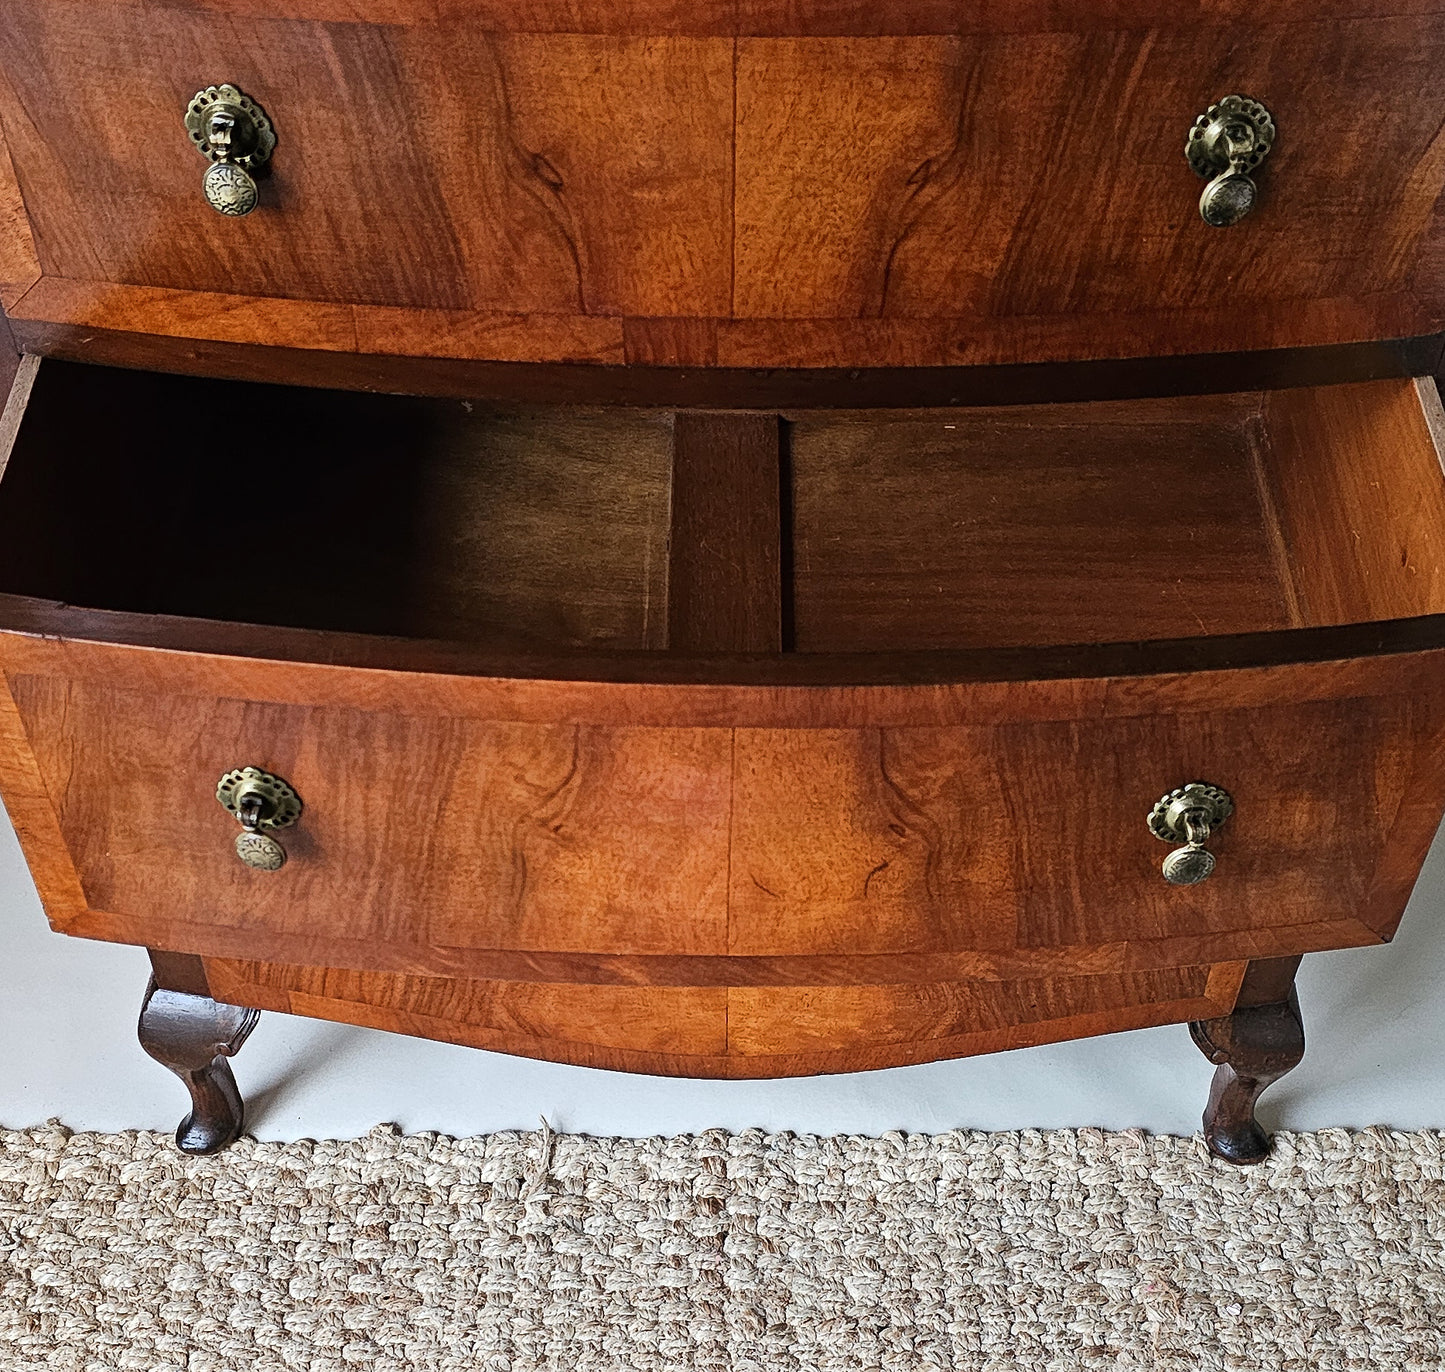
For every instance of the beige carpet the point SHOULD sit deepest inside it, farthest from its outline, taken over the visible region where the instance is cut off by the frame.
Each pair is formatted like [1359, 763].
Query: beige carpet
[986, 1252]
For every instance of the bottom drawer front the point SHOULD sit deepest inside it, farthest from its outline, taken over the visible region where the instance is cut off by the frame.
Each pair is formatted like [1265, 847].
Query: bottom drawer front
[434, 845]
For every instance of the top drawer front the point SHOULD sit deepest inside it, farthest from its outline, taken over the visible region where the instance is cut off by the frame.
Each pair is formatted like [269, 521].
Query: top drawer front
[429, 841]
[807, 201]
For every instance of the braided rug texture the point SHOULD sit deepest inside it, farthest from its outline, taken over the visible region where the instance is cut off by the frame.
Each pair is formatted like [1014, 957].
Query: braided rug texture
[765, 1253]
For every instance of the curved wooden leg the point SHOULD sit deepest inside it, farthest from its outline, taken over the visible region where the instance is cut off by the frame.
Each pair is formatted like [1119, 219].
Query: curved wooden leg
[1253, 1047]
[193, 1035]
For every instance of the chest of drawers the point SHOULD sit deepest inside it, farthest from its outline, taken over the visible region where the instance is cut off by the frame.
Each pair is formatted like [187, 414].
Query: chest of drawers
[733, 524]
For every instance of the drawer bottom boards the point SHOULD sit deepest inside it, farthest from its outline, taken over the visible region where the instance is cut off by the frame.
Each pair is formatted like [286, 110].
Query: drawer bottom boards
[736, 1031]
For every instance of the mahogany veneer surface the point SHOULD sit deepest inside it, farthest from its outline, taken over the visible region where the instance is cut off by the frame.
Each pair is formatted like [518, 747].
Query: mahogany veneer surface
[733, 1032]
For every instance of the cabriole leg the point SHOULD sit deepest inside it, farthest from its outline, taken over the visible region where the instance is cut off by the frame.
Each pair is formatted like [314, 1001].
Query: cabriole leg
[182, 1028]
[1254, 1047]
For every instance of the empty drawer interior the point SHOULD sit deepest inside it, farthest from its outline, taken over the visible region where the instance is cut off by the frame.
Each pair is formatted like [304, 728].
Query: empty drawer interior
[548, 526]
[1116, 521]
[321, 509]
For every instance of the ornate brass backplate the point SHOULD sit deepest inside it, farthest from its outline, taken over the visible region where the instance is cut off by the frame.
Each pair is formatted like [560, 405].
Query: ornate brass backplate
[1188, 815]
[233, 133]
[1225, 144]
[260, 801]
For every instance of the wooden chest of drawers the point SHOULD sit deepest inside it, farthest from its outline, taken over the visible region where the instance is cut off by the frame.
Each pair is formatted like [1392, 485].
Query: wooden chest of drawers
[844, 484]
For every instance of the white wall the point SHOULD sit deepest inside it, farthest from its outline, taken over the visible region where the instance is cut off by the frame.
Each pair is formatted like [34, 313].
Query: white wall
[1374, 1019]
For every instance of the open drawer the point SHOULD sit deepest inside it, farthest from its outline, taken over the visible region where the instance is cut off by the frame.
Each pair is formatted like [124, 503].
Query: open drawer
[918, 829]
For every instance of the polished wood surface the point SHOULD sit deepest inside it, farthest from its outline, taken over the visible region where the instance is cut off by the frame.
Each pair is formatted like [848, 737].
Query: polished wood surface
[744, 18]
[733, 1033]
[514, 527]
[658, 380]
[746, 186]
[274, 661]
[58, 312]
[710, 970]
[19, 266]
[30, 810]
[725, 584]
[1014, 527]
[1360, 493]
[444, 866]
[194, 1036]
[1253, 1047]
[456, 835]
[996, 124]
[183, 972]
[1201, 514]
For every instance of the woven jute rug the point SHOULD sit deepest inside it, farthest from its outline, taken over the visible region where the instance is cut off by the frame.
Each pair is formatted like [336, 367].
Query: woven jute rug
[1058, 1251]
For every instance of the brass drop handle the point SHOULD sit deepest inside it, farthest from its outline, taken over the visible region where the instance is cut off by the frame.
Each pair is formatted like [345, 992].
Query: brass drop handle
[234, 135]
[1189, 815]
[1225, 144]
[261, 803]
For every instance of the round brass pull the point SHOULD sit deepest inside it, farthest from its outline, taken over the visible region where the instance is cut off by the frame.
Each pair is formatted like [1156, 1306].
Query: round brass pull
[261, 803]
[233, 134]
[1188, 815]
[1227, 142]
